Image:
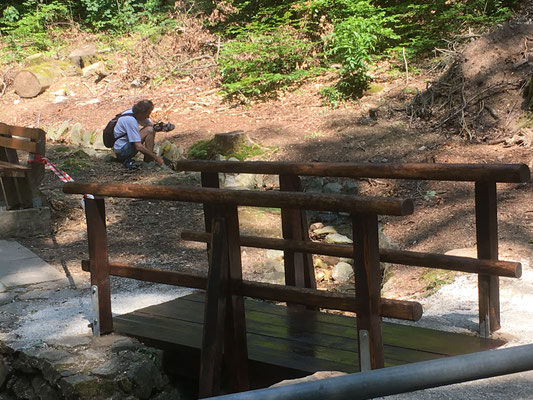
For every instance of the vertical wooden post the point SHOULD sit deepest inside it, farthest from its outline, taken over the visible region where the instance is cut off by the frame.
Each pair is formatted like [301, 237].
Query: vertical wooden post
[368, 290]
[235, 344]
[487, 249]
[214, 313]
[299, 270]
[209, 179]
[98, 258]
[10, 190]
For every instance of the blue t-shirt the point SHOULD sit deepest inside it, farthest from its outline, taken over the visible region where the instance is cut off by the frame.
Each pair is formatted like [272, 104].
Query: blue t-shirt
[127, 130]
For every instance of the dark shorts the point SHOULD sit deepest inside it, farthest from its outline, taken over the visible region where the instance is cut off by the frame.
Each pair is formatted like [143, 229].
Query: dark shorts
[126, 151]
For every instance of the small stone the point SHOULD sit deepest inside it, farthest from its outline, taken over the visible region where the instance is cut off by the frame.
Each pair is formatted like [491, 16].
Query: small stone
[6, 298]
[275, 255]
[4, 372]
[53, 355]
[273, 266]
[124, 344]
[332, 187]
[337, 238]
[43, 389]
[316, 225]
[326, 230]
[342, 272]
[22, 388]
[319, 263]
[314, 185]
[350, 187]
[108, 369]
[125, 384]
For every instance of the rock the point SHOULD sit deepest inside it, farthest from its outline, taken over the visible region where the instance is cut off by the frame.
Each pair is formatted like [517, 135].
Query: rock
[123, 344]
[325, 230]
[84, 386]
[4, 372]
[270, 181]
[342, 272]
[144, 376]
[21, 388]
[96, 70]
[6, 297]
[70, 341]
[314, 184]
[248, 181]
[43, 389]
[275, 255]
[84, 55]
[274, 277]
[337, 238]
[75, 133]
[316, 225]
[350, 187]
[319, 263]
[273, 266]
[86, 138]
[332, 187]
[34, 59]
[108, 369]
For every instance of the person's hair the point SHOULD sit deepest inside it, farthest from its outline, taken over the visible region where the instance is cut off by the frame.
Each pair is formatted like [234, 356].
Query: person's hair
[142, 107]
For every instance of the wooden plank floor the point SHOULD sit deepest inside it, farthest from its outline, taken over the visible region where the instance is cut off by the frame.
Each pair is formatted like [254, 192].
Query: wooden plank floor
[305, 341]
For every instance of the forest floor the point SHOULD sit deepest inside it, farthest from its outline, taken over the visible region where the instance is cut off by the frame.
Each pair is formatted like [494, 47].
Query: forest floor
[400, 121]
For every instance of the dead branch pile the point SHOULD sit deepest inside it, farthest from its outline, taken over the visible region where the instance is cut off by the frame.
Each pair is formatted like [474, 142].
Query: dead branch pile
[481, 94]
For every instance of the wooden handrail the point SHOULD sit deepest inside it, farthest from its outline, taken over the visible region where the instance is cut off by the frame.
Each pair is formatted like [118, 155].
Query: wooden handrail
[508, 269]
[400, 309]
[511, 173]
[298, 200]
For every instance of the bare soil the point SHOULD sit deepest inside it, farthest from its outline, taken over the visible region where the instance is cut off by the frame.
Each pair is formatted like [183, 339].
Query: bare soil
[478, 120]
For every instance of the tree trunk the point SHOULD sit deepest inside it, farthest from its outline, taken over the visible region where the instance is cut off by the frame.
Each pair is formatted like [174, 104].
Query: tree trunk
[35, 79]
[228, 142]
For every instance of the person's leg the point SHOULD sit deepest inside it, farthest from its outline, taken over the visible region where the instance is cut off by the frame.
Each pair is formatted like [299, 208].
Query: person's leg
[148, 139]
[126, 152]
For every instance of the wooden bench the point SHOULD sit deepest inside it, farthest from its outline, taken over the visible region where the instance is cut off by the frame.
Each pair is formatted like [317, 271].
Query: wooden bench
[20, 182]
[298, 263]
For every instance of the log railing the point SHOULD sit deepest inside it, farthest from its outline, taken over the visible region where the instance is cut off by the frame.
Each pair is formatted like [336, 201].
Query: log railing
[224, 318]
[298, 264]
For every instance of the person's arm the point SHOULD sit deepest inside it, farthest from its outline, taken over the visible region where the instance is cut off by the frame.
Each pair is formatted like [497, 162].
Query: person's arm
[141, 148]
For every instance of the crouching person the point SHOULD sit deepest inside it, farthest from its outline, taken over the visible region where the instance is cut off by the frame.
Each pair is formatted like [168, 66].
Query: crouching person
[134, 132]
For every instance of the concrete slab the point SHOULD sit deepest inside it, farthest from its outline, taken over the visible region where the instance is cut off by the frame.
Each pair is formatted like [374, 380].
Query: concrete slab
[25, 223]
[12, 250]
[19, 267]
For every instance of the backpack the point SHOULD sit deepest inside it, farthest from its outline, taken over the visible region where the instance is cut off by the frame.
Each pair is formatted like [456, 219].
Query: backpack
[109, 130]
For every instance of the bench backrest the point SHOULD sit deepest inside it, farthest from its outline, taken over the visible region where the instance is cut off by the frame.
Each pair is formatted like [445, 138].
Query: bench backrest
[17, 138]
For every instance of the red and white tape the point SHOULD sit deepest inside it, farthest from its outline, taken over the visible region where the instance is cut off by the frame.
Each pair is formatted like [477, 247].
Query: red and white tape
[62, 175]
[38, 159]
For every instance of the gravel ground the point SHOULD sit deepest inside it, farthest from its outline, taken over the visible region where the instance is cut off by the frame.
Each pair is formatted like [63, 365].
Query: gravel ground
[460, 315]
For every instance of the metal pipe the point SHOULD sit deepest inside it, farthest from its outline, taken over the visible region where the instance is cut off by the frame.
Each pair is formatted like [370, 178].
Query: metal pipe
[403, 378]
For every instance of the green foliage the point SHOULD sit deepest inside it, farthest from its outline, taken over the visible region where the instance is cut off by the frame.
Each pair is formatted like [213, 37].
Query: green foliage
[203, 150]
[199, 150]
[32, 30]
[424, 25]
[360, 31]
[256, 64]
[434, 279]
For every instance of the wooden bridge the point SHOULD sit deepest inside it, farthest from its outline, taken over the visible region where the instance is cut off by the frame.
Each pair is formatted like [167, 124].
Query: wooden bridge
[233, 337]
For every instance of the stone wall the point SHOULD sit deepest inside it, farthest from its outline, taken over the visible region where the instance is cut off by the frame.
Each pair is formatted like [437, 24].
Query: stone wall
[109, 367]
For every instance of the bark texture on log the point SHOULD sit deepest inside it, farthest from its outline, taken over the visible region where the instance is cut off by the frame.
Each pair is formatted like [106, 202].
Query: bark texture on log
[228, 142]
[35, 79]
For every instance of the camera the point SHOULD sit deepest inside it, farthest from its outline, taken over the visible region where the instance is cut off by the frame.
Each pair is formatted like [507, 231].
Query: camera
[160, 126]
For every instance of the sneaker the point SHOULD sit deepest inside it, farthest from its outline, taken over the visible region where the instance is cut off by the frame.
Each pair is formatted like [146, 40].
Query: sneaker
[129, 164]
